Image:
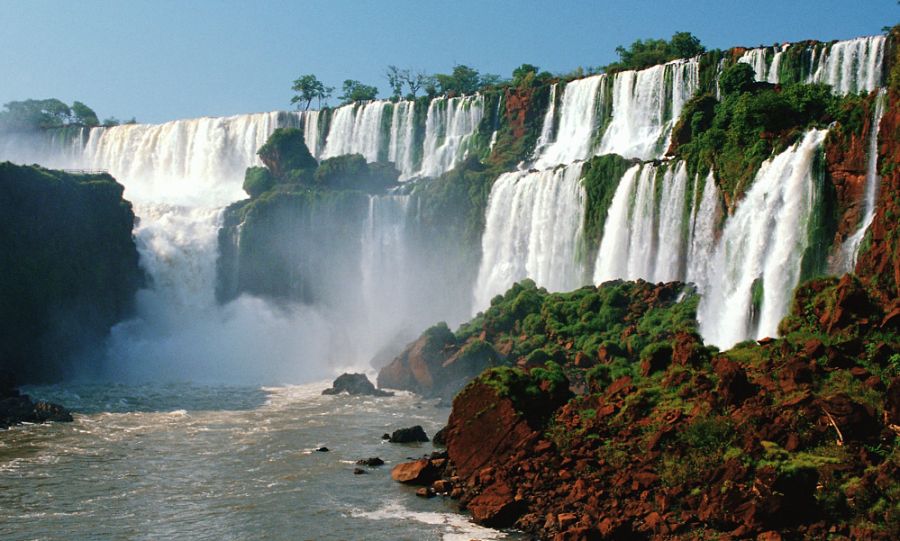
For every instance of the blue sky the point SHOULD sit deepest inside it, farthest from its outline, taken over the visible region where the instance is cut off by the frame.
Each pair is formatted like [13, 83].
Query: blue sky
[163, 59]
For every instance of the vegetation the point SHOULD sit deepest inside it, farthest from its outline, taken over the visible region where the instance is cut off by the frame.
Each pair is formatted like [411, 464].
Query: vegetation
[650, 52]
[356, 91]
[309, 87]
[46, 114]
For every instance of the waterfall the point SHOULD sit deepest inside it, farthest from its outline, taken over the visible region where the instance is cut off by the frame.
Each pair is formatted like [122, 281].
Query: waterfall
[645, 108]
[548, 125]
[851, 66]
[311, 132]
[400, 149]
[756, 58]
[533, 225]
[449, 127]
[761, 248]
[850, 248]
[641, 239]
[198, 162]
[703, 232]
[575, 132]
[356, 129]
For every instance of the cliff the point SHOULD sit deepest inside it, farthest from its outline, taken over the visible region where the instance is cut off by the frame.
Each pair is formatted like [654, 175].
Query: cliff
[70, 268]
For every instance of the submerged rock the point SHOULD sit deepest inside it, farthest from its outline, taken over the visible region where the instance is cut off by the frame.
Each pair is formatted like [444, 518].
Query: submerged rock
[371, 462]
[16, 408]
[409, 435]
[355, 384]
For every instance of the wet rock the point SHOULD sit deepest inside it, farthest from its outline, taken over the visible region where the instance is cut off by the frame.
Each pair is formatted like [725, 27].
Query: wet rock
[371, 462]
[409, 435]
[359, 471]
[323, 449]
[419, 472]
[425, 492]
[440, 437]
[355, 384]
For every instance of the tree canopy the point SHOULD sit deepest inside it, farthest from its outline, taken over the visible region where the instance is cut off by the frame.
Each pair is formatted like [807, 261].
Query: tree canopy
[356, 91]
[650, 52]
[45, 114]
[308, 87]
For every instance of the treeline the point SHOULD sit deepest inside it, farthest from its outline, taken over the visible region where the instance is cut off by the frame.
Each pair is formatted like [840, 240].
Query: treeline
[31, 114]
[407, 83]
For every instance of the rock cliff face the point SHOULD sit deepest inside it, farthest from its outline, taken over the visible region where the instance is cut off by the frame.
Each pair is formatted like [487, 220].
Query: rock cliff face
[70, 268]
[796, 436]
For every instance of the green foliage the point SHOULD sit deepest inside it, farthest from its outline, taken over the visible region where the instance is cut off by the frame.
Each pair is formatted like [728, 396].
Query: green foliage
[356, 91]
[463, 80]
[309, 87]
[523, 74]
[84, 115]
[284, 151]
[352, 172]
[735, 135]
[737, 79]
[650, 52]
[257, 180]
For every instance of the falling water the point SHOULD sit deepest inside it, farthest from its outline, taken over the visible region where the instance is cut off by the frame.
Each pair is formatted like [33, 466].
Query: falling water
[549, 123]
[533, 225]
[703, 232]
[850, 249]
[449, 127]
[356, 129]
[311, 132]
[400, 149]
[575, 132]
[852, 66]
[645, 108]
[762, 243]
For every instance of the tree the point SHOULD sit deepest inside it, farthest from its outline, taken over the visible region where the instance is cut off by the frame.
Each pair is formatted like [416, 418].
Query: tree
[463, 80]
[308, 88]
[84, 115]
[645, 53]
[356, 91]
[415, 81]
[490, 79]
[737, 78]
[685, 45]
[396, 77]
[520, 73]
[111, 121]
[35, 114]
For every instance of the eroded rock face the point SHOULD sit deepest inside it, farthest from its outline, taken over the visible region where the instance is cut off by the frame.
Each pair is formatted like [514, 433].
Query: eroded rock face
[416, 367]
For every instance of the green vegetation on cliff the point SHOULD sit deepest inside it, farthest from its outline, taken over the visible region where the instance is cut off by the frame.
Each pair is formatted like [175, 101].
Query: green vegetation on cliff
[650, 52]
[70, 267]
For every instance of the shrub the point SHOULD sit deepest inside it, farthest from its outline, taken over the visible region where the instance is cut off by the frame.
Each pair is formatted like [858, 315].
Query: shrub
[257, 181]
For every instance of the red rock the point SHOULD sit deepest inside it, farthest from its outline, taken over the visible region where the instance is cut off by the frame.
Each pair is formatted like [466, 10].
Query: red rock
[441, 486]
[425, 492]
[566, 519]
[892, 403]
[583, 361]
[769, 536]
[420, 472]
[733, 387]
[496, 506]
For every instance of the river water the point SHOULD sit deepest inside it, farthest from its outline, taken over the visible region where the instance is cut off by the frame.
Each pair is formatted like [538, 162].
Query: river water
[219, 463]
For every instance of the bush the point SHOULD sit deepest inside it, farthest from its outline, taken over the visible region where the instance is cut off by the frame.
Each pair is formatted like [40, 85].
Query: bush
[285, 151]
[257, 181]
[352, 172]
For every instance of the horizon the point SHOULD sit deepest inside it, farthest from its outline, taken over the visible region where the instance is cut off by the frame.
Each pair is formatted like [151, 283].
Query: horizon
[54, 57]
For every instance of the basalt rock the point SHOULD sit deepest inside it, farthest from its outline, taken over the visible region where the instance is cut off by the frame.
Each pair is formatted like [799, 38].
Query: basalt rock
[355, 384]
[409, 435]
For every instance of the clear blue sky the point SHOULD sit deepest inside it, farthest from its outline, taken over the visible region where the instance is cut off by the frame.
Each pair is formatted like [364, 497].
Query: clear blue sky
[164, 59]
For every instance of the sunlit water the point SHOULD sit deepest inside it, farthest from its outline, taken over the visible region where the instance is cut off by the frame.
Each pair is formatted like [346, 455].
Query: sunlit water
[191, 462]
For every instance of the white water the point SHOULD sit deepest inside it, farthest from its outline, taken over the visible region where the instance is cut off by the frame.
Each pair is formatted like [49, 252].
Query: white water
[643, 112]
[641, 240]
[852, 66]
[356, 129]
[533, 226]
[763, 71]
[705, 218]
[449, 128]
[311, 134]
[548, 126]
[402, 138]
[574, 135]
[764, 240]
[850, 249]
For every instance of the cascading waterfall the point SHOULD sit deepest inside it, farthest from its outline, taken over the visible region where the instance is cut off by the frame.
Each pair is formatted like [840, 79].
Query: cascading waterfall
[763, 71]
[449, 127]
[850, 248]
[547, 127]
[311, 135]
[645, 108]
[402, 138]
[851, 66]
[574, 134]
[532, 229]
[641, 239]
[756, 264]
[704, 220]
[356, 129]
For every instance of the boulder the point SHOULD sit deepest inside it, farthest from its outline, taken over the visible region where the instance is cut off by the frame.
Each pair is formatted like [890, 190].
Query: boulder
[371, 462]
[409, 435]
[419, 472]
[496, 507]
[355, 384]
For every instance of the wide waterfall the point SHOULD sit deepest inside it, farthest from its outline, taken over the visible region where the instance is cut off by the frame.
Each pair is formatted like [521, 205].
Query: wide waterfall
[533, 226]
[577, 121]
[643, 239]
[756, 264]
[850, 66]
[449, 128]
[356, 129]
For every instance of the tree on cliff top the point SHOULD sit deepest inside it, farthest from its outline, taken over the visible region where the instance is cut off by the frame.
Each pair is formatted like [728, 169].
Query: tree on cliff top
[650, 52]
[308, 88]
[356, 91]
